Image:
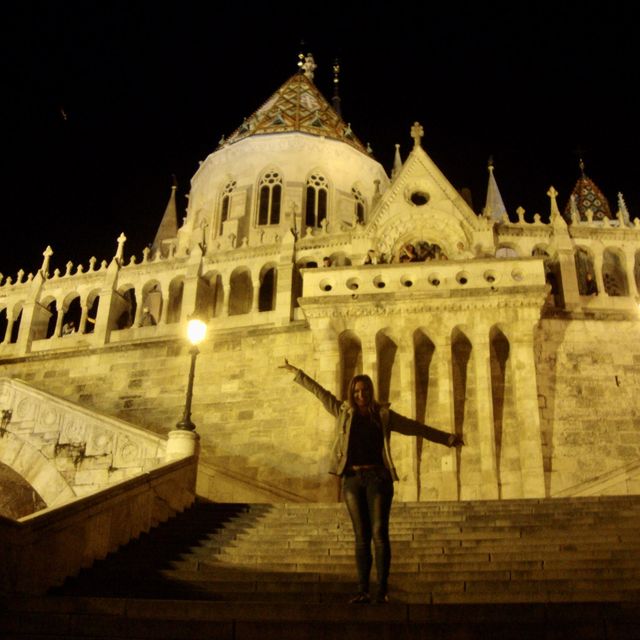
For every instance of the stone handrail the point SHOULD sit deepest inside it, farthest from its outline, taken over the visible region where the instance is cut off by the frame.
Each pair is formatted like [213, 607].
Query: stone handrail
[41, 550]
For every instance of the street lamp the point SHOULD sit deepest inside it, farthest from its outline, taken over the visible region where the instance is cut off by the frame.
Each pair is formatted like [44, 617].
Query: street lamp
[196, 331]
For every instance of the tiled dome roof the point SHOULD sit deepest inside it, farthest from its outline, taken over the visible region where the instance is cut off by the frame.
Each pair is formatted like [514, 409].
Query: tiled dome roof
[586, 195]
[297, 106]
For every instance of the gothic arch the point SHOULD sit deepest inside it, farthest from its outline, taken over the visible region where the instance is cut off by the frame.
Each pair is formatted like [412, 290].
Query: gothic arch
[614, 272]
[127, 305]
[210, 295]
[423, 353]
[4, 323]
[386, 352]
[174, 304]
[499, 351]
[92, 305]
[585, 271]
[71, 310]
[350, 348]
[50, 304]
[270, 192]
[268, 288]
[316, 199]
[152, 300]
[240, 291]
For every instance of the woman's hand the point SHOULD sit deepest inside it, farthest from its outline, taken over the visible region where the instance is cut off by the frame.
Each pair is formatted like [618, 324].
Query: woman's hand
[288, 366]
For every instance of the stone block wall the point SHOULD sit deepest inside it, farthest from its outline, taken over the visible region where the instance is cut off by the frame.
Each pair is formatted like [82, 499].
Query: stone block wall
[588, 384]
[256, 423]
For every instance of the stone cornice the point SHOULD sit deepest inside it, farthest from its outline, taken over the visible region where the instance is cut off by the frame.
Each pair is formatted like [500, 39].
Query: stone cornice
[395, 304]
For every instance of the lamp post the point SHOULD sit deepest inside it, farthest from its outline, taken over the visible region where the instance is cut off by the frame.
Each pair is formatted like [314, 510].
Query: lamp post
[196, 331]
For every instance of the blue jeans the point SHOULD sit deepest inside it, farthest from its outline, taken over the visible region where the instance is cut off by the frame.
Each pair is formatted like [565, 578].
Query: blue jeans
[368, 494]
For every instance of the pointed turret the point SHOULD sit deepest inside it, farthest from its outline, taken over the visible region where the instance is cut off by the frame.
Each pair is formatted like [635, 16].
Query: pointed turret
[494, 208]
[586, 196]
[297, 106]
[168, 229]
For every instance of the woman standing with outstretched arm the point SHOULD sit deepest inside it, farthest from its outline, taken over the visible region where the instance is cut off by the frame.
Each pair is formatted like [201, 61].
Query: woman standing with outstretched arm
[361, 456]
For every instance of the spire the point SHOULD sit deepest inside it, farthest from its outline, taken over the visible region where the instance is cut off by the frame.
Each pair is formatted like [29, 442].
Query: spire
[623, 212]
[168, 229]
[494, 208]
[335, 100]
[397, 162]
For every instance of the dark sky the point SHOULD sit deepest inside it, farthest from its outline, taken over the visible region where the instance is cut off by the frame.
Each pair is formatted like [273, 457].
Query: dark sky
[103, 104]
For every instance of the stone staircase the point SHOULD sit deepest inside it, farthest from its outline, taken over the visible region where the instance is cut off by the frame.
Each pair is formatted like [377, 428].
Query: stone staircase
[559, 568]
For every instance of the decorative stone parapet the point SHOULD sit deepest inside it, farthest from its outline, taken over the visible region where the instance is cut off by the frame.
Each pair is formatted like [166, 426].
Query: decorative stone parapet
[64, 450]
[438, 277]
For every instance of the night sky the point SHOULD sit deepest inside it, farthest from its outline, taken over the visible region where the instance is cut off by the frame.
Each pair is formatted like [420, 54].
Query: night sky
[103, 105]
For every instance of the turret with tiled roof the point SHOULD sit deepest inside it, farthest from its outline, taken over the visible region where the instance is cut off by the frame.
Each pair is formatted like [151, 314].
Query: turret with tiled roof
[586, 196]
[297, 106]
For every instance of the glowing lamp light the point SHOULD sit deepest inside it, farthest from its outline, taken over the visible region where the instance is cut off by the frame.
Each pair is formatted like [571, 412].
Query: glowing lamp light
[196, 331]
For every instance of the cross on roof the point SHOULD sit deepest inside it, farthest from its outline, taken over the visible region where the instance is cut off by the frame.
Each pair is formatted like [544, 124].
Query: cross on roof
[416, 133]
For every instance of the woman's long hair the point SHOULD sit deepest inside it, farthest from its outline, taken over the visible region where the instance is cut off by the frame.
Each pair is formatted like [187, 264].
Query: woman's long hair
[373, 403]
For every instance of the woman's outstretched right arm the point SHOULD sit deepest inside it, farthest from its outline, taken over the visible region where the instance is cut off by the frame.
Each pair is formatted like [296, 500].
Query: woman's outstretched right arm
[330, 402]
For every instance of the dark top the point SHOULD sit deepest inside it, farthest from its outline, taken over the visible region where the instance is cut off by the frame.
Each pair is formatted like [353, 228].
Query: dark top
[365, 441]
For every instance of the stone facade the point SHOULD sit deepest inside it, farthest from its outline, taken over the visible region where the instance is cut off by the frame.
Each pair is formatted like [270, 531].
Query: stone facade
[523, 337]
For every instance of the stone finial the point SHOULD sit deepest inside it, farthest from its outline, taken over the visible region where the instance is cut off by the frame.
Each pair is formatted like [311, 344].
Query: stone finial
[589, 214]
[56, 273]
[120, 251]
[520, 211]
[92, 263]
[69, 266]
[369, 149]
[44, 270]
[397, 162]
[417, 132]
[20, 275]
[145, 254]
[553, 197]
[308, 66]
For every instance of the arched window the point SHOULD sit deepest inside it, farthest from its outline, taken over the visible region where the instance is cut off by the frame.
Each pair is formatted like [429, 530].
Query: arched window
[358, 200]
[269, 198]
[614, 274]
[225, 204]
[316, 200]
[267, 293]
[586, 273]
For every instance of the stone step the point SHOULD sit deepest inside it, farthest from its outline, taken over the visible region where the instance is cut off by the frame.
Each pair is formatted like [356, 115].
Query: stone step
[148, 619]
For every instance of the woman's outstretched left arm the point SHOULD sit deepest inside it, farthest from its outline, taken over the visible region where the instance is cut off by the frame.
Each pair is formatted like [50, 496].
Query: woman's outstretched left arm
[409, 427]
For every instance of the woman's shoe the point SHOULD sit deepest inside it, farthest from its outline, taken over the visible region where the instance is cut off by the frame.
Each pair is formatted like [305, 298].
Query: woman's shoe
[360, 598]
[381, 598]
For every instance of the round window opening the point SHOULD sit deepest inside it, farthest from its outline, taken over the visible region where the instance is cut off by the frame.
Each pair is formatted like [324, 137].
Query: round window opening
[419, 198]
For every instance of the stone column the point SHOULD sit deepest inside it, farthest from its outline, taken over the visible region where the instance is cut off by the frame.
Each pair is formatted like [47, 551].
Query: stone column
[631, 277]
[597, 267]
[255, 301]
[525, 394]
[440, 413]
[569, 277]
[83, 317]
[226, 288]
[284, 287]
[481, 359]
[404, 447]
[57, 332]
